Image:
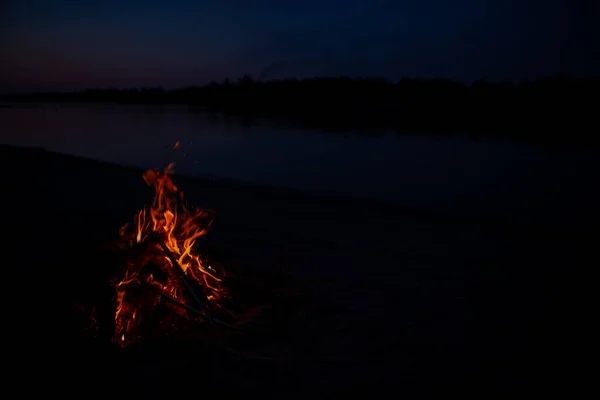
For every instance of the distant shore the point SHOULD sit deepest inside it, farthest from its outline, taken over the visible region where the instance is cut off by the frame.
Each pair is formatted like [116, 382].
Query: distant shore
[545, 111]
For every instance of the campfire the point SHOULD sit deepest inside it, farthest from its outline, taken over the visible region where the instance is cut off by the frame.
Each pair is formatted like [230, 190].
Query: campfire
[166, 284]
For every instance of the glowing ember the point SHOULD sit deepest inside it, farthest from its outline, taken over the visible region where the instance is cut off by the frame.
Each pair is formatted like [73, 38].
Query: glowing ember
[153, 275]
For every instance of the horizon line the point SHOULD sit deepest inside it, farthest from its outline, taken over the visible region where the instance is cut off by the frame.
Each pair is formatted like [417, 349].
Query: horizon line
[250, 80]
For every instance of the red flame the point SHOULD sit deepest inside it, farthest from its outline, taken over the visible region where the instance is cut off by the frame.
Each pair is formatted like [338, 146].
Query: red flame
[151, 276]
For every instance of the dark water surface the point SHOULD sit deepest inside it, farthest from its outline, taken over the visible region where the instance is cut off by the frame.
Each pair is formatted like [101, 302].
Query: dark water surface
[453, 174]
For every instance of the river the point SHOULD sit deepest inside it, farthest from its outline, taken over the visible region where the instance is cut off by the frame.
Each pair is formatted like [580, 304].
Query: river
[453, 174]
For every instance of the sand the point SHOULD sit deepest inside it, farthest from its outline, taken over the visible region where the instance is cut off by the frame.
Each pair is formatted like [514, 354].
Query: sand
[427, 301]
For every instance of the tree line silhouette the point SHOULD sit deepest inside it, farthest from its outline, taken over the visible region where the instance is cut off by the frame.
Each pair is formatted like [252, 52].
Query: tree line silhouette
[547, 109]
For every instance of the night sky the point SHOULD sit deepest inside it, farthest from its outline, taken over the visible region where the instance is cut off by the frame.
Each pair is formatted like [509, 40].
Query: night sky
[72, 44]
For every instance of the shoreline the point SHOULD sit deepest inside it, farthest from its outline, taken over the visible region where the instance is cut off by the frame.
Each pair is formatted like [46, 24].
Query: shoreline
[374, 207]
[412, 292]
[521, 218]
[262, 189]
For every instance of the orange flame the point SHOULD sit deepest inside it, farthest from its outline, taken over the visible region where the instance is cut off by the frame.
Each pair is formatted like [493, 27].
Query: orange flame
[178, 228]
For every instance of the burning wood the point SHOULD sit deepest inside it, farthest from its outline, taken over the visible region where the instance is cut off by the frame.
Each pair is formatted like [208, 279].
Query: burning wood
[167, 287]
[169, 232]
[180, 272]
[177, 302]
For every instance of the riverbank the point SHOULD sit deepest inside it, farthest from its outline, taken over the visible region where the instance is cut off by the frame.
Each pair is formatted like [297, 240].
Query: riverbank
[429, 302]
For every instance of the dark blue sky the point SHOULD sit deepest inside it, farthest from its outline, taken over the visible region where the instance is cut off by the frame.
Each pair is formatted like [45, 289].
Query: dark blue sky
[73, 44]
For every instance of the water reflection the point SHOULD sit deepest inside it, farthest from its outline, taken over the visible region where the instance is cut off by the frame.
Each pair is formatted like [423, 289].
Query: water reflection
[450, 174]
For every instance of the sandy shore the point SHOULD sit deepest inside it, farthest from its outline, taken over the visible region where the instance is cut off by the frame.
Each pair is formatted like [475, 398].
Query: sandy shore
[429, 300]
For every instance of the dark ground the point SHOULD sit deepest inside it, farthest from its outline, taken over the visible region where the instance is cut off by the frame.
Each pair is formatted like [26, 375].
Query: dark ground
[428, 302]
